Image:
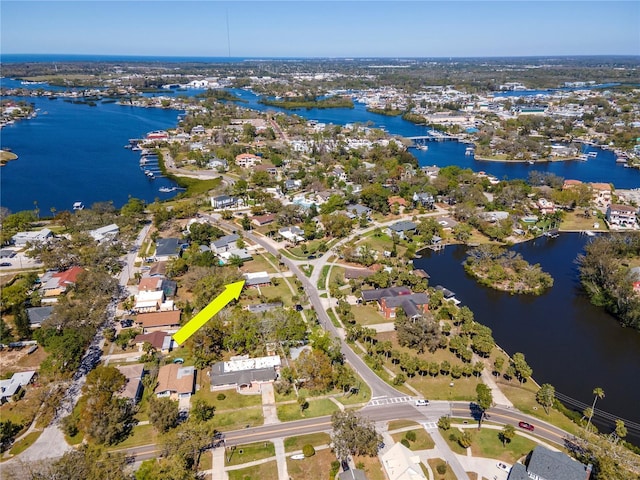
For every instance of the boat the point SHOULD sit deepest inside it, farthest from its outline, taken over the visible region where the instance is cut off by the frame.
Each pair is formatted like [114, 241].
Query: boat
[424, 148]
[469, 151]
[583, 156]
[167, 189]
[149, 173]
[531, 162]
[78, 206]
[592, 154]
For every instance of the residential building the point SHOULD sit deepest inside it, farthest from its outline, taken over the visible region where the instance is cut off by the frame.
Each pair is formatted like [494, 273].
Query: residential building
[243, 371]
[150, 322]
[622, 216]
[175, 381]
[223, 201]
[37, 315]
[400, 463]
[56, 283]
[150, 301]
[257, 279]
[13, 385]
[160, 340]
[545, 464]
[545, 206]
[132, 389]
[263, 219]
[359, 210]
[401, 229]
[424, 199]
[389, 300]
[21, 239]
[167, 249]
[264, 307]
[238, 253]
[601, 193]
[106, 233]
[247, 160]
[226, 243]
[293, 234]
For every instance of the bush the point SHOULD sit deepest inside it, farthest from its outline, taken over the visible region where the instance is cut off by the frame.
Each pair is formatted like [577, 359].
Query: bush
[70, 425]
[308, 450]
[410, 435]
[405, 442]
[441, 469]
[335, 466]
[221, 396]
[444, 423]
[399, 379]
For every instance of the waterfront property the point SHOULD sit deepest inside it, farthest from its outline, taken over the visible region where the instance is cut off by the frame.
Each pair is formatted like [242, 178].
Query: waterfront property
[622, 217]
[389, 300]
[402, 228]
[21, 239]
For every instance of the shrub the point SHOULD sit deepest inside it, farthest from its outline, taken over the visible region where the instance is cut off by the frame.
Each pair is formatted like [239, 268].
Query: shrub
[308, 450]
[405, 442]
[444, 423]
[399, 379]
[221, 396]
[410, 435]
[335, 466]
[441, 468]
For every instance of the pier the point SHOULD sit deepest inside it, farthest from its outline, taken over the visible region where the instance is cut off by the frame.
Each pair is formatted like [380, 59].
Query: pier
[431, 137]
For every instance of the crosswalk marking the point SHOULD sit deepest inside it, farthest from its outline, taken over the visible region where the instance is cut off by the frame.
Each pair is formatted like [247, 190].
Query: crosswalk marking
[431, 425]
[388, 401]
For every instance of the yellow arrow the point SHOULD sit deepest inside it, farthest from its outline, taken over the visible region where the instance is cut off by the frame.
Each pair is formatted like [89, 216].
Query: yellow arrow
[231, 291]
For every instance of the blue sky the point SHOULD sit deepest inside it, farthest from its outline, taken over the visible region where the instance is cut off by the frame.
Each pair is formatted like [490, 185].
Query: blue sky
[321, 29]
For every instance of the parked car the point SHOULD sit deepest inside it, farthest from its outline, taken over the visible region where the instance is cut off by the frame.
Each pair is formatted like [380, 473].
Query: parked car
[422, 403]
[126, 323]
[526, 426]
[5, 264]
[502, 466]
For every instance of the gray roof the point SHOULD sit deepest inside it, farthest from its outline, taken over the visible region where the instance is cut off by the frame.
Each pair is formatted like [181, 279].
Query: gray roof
[37, 315]
[244, 377]
[6, 253]
[264, 307]
[555, 465]
[518, 472]
[257, 280]
[353, 474]
[445, 291]
[378, 293]
[167, 246]
[403, 226]
[358, 209]
[226, 240]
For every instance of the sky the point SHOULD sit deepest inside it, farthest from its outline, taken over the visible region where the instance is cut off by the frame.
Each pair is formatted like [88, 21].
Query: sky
[364, 28]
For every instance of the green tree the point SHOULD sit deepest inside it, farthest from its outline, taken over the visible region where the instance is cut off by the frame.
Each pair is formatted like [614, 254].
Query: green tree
[506, 434]
[620, 431]
[201, 410]
[163, 413]
[546, 396]
[597, 393]
[353, 435]
[484, 400]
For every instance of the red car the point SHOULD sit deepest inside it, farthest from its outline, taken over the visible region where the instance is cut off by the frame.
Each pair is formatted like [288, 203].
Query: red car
[526, 426]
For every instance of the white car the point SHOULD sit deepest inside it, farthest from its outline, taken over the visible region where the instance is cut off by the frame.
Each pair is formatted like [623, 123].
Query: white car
[502, 466]
[422, 403]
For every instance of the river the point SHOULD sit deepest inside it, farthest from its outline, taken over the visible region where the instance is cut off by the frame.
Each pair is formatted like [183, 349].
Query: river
[567, 341]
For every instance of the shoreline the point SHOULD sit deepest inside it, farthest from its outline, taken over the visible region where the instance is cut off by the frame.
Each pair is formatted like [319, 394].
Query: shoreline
[488, 159]
[6, 157]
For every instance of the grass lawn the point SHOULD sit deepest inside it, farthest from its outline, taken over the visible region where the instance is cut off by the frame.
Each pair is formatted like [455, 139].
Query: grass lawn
[250, 452]
[334, 319]
[258, 264]
[23, 411]
[380, 244]
[337, 273]
[396, 424]
[232, 399]
[487, 444]
[317, 408]
[453, 444]
[206, 461]
[423, 440]
[141, 435]
[322, 280]
[291, 444]
[363, 395]
[372, 467]
[280, 291]
[21, 445]
[368, 315]
[233, 420]
[449, 475]
[576, 221]
[258, 472]
[311, 467]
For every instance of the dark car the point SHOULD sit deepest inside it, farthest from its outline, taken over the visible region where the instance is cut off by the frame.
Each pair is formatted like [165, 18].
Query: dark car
[5, 264]
[311, 257]
[526, 426]
[298, 308]
[126, 323]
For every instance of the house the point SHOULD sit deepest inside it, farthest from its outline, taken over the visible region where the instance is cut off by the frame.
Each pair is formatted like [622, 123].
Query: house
[601, 193]
[622, 216]
[223, 201]
[150, 284]
[401, 229]
[264, 307]
[21, 239]
[54, 284]
[257, 279]
[359, 210]
[395, 200]
[37, 315]
[293, 234]
[243, 371]
[167, 249]
[292, 185]
[148, 301]
[400, 463]
[263, 219]
[226, 243]
[151, 322]
[13, 385]
[239, 253]
[353, 474]
[161, 341]
[132, 389]
[175, 381]
[246, 160]
[7, 253]
[545, 464]
[103, 234]
[218, 164]
[545, 206]
[423, 199]
[389, 300]
[197, 130]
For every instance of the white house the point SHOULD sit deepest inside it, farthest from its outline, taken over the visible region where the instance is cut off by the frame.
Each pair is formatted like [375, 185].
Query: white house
[21, 239]
[401, 463]
[105, 233]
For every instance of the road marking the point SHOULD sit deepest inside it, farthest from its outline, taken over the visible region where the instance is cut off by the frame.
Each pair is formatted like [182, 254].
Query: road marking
[388, 401]
[431, 425]
[232, 437]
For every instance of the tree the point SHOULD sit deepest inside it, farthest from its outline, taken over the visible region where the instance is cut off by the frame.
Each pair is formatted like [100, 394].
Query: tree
[444, 423]
[315, 370]
[620, 431]
[163, 413]
[506, 434]
[484, 400]
[522, 370]
[465, 439]
[421, 333]
[201, 410]
[353, 435]
[546, 396]
[597, 393]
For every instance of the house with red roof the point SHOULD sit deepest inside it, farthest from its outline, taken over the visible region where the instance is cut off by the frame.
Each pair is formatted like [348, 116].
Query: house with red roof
[55, 284]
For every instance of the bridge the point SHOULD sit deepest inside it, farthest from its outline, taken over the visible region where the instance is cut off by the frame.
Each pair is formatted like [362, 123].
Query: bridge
[431, 137]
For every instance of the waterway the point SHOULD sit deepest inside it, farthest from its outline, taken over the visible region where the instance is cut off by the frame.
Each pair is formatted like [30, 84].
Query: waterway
[567, 341]
[75, 153]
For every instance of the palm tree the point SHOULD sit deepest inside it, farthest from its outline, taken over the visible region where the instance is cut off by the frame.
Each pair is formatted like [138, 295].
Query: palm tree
[598, 393]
